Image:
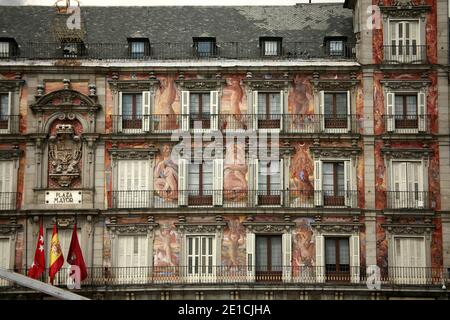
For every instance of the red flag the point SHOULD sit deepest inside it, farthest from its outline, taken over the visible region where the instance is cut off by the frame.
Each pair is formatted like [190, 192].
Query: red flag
[75, 256]
[38, 265]
[56, 256]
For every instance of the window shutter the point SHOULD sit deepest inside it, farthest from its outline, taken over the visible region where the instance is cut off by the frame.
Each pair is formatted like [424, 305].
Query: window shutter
[348, 183]
[250, 256]
[218, 182]
[185, 110]
[4, 255]
[318, 196]
[320, 259]
[322, 110]
[281, 109]
[421, 111]
[390, 111]
[355, 260]
[282, 187]
[9, 111]
[349, 112]
[255, 110]
[287, 263]
[182, 182]
[143, 253]
[119, 118]
[256, 180]
[214, 105]
[146, 101]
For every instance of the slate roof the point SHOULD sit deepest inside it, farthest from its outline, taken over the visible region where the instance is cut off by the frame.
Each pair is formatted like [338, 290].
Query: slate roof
[302, 22]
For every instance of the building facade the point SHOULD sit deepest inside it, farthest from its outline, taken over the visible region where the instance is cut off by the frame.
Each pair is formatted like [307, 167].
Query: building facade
[296, 152]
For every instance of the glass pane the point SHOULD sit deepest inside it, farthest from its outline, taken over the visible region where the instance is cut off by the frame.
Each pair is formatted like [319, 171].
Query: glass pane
[411, 105]
[336, 47]
[261, 253]
[138, 104]
[262, 175]
[4, 104]
[344, 251]
[398, 105]
[330, 251]
[137, 47]
[340, 176]
[274, 102]
[204, 48]
[328, 176]
[328, 107]
[262, 103]
[341, 104]
[194, 103]
[194, 177]
[270, 48]
[206, 108]
[208, 175]
[276, 253]
[127, 105]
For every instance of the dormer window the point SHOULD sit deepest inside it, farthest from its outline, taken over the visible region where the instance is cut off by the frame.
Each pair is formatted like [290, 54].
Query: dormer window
[8, 47]
[139, 48]
[270, 46]
[205, 47]
[335, 46]
[72, 49]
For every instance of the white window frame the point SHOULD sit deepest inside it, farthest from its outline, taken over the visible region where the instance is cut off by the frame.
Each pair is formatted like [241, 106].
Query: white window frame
[214, 104]
[403, 276]
[199, 277]
[10, 102]
[254, 178]
[419, 36]
[421, 111]
[125, 167]
[9, 256]
[322, 112]
[422, 183]
[147, 102]
[8, 193]
[255, 107]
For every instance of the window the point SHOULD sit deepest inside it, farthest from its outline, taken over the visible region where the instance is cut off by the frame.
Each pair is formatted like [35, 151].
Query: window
[138, 48]
[132, 253]
[200, 183]
[200, 110]
[270, 47]
[407, 185]
[205, 47]
[337, 259]
[404, 41]
[131, 111]
[406, 112]
[335, 109]
[410, 260]
[268, 258]
[5, 107]
[7, 194]
[268, 109]
[132, 184]
[72, 49]
[200, 255]
[5, 257]
[270, 182]
[333, 183]
[8, 48]
[335, 46]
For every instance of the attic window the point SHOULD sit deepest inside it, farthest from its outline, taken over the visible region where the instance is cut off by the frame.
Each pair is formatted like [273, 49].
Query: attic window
[138, 48]
[335, 46]
[270, 46]
[8, 47]
[205, 47]
[72, 49]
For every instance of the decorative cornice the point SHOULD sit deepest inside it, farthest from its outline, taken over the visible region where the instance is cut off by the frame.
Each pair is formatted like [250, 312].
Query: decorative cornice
[132, 154]
[407, 153]
[267, 84]
[409, 229]
[337, 227]
[64, 222]
[406, 84]
[132, 228]
[10, 85]
[133, 85]
[335, 152]
[334, 84]
[204, 227]
[9, 229]
[66, 104]
[405, 8]
[10, 154]
[269, 226]
[200, 84]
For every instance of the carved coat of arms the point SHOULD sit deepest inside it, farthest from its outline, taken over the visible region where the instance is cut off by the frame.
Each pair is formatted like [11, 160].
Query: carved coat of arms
[64, 155]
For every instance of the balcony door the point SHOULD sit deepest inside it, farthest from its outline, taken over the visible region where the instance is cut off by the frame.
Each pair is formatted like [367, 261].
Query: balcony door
[4, 257]
[405, 41]
[132, 261]
[5, 112]
[132, 185]
[407, 185]
[268, 110]
[333, 183]
[269, 264]
[335, 111]
[7, 194]
[270, 174]
[200, 257]
[200, 183]
[410, 260]
[337, 259]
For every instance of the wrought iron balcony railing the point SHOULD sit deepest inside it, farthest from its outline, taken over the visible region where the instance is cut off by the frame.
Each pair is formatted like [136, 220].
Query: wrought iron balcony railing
[407, 123]
[249, 274]
[9, 124]
[143, 199]
[288, 123]
[408, 200]
[9, 200]
[175, 51]
[405, 54]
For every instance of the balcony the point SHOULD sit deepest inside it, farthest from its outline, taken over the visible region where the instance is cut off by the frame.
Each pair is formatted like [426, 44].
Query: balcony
[9, 124]
[177, 51]
[166, 199]
[9, 200]
[399, 277]
[287, 123]
[408, 200]
[405, 54]
[407, 124]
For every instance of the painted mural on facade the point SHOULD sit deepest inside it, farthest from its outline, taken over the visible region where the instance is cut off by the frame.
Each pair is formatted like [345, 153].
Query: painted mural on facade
[166, 244]
[233, 243]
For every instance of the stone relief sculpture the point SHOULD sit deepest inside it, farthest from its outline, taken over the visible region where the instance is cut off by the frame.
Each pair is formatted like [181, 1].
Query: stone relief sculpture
[64, 155]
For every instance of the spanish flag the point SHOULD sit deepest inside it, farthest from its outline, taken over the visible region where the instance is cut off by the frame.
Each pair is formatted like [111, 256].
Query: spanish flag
[56, 256]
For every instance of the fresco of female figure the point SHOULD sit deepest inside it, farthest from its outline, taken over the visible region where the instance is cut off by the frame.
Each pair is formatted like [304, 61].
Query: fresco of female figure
[234, 90]
[304, 252]
[166, 176]
[235, 238]
[164, 105]
[164, 255]
[302, 188]
[301, 104]
[235, 171]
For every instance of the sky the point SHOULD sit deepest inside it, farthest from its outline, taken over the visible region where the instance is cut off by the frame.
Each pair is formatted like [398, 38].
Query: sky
[165, 2]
